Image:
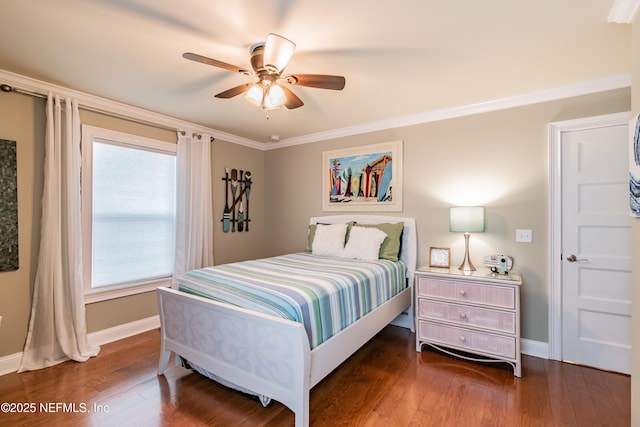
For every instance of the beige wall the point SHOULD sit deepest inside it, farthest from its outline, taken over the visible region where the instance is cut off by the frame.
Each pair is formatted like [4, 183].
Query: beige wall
[22, 119]
[229, 247]
[498, 159]
[635, 248]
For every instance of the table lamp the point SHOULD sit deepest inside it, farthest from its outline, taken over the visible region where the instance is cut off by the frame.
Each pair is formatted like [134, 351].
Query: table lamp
[467, 220]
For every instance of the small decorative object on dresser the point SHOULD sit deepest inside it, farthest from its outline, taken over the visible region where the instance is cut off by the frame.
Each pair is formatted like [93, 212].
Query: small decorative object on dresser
[498, 263]
[469, 314]
[439, 257]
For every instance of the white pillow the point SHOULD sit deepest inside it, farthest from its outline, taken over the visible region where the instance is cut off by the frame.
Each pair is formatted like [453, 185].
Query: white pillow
[329, 240]
[364, 243]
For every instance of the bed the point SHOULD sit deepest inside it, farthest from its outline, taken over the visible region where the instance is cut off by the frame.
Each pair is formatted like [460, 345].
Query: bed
[270, 356]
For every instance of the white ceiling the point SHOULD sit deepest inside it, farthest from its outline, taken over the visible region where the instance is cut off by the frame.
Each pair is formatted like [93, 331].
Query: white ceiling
[399, 57]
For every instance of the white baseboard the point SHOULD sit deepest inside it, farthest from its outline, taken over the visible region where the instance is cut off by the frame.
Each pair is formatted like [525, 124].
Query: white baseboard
[126, 330]
[11, 363]
[534, 348]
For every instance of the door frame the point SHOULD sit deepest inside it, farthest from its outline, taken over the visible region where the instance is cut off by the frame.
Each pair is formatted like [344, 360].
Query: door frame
[556, 130]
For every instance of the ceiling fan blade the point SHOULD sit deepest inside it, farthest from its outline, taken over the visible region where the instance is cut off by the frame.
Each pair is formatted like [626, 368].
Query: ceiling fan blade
[321, 81]
[214, 62]
[292, 99]
[230, 93]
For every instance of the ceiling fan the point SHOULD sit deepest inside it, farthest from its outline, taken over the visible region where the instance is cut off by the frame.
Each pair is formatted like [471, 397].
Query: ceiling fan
[268, 60]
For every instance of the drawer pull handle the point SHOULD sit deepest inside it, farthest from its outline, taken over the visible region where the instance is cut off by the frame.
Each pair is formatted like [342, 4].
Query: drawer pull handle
[463, 292]
[463, 315]
[462, 338]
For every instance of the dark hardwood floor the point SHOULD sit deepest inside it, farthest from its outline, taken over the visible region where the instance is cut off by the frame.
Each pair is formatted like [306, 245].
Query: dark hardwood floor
[386, 383]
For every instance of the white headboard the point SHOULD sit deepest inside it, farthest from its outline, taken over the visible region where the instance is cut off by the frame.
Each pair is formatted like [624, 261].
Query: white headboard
[408, 247]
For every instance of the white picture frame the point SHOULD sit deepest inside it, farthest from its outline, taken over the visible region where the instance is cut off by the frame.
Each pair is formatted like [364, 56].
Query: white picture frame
[365, 178]
[439, 257]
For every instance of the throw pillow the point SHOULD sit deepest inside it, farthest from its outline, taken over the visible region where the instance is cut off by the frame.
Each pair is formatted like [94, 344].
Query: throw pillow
[364, 243]
[329, 240]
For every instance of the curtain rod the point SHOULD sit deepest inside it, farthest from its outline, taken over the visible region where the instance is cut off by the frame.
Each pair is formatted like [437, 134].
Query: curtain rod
[8, 88]
[195, 135]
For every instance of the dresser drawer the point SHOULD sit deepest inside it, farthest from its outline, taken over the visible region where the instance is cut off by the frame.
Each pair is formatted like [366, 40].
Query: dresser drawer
[502, 321]
[496, 296]
[466, 339]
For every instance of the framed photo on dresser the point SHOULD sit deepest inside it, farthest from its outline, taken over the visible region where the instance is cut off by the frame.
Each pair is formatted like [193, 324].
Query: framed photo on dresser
[439, 257]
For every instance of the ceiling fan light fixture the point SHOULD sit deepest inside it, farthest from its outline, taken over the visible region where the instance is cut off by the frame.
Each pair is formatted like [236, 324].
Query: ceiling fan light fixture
[277, 53]
[268, 61]
[255, 94]
[274, 97]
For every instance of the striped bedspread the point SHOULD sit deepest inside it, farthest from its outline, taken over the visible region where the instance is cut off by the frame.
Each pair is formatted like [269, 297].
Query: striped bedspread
[325, 294]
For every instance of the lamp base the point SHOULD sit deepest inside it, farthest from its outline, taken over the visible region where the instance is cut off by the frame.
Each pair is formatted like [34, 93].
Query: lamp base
[466, 265]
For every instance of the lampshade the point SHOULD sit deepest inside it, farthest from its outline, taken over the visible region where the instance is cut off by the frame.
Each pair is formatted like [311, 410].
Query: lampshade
[277, 53]
[255, 94]
[274, 97]
[466, 219]
[265, 95]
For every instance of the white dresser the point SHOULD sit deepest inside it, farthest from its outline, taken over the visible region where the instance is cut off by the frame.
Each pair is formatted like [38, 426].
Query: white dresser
[474, 316]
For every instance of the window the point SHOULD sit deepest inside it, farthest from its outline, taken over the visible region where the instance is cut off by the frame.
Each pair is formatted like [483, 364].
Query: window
[128, 213]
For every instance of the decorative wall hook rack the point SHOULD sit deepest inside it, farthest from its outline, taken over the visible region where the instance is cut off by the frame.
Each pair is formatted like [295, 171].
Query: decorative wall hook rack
[237, 184]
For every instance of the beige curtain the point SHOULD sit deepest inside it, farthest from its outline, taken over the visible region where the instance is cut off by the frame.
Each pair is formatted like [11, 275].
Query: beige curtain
[194, 216]
[57, 327]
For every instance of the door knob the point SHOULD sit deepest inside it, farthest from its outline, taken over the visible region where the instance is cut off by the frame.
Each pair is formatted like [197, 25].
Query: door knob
[572, 258]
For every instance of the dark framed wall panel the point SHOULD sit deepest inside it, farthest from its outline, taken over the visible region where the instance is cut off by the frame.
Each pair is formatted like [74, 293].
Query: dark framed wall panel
[8, 206]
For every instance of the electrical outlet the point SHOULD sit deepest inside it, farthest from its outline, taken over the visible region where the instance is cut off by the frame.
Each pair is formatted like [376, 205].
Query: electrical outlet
[523, 236]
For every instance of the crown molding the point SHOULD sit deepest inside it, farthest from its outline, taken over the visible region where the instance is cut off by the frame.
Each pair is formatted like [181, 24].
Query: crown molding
[118, 109]
[616, 81]
[624, 11]
[114, 108]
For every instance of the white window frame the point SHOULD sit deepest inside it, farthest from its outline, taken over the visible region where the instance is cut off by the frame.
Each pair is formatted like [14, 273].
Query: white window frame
[89, 135]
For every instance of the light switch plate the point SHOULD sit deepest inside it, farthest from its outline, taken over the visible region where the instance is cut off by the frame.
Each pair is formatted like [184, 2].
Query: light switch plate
[523, 236]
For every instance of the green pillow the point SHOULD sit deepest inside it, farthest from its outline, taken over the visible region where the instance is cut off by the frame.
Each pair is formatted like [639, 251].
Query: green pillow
[312, 233]
[390, 248]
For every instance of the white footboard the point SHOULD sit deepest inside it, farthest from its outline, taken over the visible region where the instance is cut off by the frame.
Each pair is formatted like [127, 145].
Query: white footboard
[261, 353]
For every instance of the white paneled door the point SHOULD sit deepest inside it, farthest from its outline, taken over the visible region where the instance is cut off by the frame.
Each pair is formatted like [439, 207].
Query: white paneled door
[596, 248]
